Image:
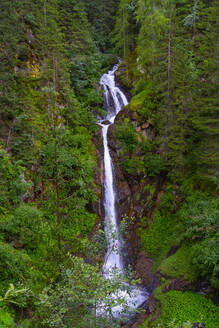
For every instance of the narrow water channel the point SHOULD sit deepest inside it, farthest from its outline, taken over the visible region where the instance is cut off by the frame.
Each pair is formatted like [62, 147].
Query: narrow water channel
[114, 100]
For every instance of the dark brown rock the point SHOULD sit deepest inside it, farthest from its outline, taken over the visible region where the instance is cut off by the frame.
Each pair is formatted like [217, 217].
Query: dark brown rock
[145, 125]
[106, 122]
[123, 185]
[177, 284]
[143, 268]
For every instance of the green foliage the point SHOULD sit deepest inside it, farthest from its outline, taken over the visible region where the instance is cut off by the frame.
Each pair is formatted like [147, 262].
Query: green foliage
[206, 259]
[202, 218]
[67, 162]
[12, 185]
[180, 264]
[127, 136]
[15, 266]
[133, 165]
[154, 165]
[50, 64]
[196, 222]
[158, 238]
[101, 15]
[164, 232]
[25, 226]
[124, 38]
[201, 215]
[6, 320]
[80, 295]
[175, 83]
[144, 103]
[13, 296]
[179, 308]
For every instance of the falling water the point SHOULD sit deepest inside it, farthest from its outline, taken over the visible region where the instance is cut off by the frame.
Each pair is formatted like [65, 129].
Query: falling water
[115, 100]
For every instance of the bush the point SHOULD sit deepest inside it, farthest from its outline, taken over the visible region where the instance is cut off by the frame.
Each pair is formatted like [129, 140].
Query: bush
[160, 236]
[6, 320]
[201, 214]
[127, 136]
[15, 266]
[81, 293]
[145, 101]
[206, 259]
[133, 165]
[179, 308]
[12, 185]
[154, 165]
[202, 218]
[25, 226]
[180, 264]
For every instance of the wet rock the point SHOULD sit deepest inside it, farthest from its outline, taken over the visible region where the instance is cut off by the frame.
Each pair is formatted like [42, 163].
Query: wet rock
[143, 268]
[18, 245]
[151, 305]
[125, 188]
[106, 122]
[205, 288]
[174, 249]
[177, 284]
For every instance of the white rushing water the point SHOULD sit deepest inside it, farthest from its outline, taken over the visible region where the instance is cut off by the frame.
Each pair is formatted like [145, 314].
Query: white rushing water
[115, 100]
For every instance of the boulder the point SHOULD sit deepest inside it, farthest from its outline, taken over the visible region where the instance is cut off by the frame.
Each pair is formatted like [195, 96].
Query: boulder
[106, 122]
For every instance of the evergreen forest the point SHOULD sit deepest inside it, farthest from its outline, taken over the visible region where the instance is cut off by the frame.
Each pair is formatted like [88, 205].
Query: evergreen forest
[165, 150]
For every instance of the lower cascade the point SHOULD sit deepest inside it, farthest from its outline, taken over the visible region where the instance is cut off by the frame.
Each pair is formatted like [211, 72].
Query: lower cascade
[134, 296]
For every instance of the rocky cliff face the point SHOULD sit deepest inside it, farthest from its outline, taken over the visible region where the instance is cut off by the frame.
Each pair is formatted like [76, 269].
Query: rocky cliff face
[135, 200]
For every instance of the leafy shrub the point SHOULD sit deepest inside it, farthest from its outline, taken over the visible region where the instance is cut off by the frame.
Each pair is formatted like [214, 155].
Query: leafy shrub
[201, 215]
[133, 165]
[127, 136]
[180, 264]
[25, 225]
[81, 293]
[202, 218]
[179, 308]
[6, 320]
[144, 102]
[12, 186]
[206, 259]
[161, 235]
[15, 266]
[154, 164]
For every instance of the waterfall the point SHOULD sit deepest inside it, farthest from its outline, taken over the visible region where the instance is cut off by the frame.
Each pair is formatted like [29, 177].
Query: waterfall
[115, 100]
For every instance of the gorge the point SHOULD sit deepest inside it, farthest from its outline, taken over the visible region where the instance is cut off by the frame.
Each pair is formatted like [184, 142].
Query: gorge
[81, 202]
[115, 100]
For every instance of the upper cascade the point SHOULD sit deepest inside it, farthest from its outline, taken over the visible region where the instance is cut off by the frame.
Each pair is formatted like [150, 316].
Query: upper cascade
[114, 98]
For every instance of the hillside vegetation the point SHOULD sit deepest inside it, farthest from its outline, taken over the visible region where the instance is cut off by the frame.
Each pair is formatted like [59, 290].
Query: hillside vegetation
[165, 143]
